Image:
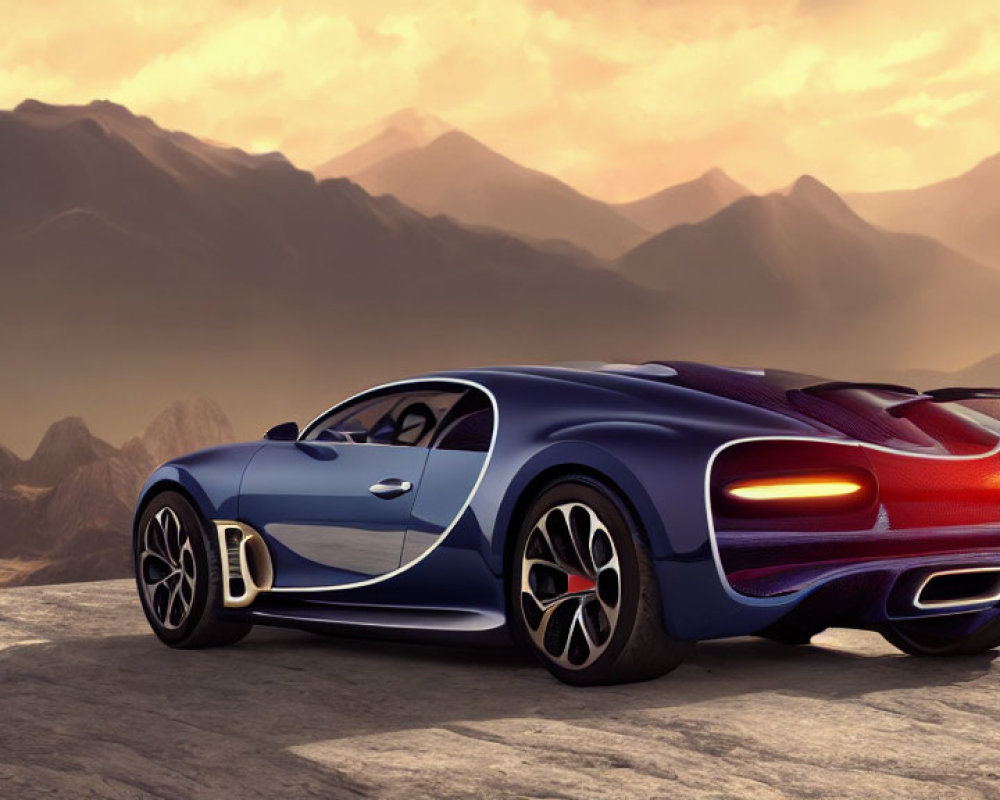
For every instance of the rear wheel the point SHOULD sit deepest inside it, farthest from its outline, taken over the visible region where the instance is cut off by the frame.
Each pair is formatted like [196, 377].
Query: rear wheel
[178, 576]
[583, 595]
[957, 635]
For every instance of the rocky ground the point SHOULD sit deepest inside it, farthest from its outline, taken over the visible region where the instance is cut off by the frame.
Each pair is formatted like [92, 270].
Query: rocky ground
[91, 705]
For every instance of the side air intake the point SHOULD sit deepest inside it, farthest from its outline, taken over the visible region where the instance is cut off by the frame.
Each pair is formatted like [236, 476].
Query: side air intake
[246, 564]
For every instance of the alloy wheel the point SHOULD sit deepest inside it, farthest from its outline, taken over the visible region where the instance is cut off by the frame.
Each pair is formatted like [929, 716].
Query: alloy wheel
[570, 585]
[167, 569]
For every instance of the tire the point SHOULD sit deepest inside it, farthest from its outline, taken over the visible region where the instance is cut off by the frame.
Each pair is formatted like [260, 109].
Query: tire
[178, 576]
[943, 636]
[582, 592]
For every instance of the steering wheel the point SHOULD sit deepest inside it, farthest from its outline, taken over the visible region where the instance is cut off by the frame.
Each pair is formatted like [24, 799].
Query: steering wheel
[413, 424]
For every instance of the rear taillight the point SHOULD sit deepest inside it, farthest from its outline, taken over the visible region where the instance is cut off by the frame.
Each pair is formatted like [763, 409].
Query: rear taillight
[794, 487]
[785, 484]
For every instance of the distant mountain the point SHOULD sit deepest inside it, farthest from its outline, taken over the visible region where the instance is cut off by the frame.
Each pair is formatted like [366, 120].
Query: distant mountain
[10, 465]
[405, 130]
[77, 524]
[984, 373]
[139, 263]
[687, 202]
[805, 267]
[963, 212]
[185, 426]
[459, 176]
[66, 446]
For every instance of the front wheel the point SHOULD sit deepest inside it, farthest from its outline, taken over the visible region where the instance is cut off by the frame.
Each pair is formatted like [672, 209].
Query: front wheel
[583, 595]
[178, 576]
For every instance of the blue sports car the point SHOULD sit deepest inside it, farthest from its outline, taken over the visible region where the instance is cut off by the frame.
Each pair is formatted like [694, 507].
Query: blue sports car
[605, 516]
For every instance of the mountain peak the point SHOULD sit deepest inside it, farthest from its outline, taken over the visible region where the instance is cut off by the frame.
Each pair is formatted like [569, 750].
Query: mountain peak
[816, 194]
[459, 139]
[187, 425]
[406, 129]
[66, 445]
[691, 201]
[106, 109]
[809, 186]
[422, 126]
[716, 174]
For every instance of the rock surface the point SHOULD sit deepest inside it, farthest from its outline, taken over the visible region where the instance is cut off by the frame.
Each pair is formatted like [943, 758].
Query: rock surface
[94, 706]
[66, 514]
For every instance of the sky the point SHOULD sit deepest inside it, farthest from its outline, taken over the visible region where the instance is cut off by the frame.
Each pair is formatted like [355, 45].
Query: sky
[619, 99]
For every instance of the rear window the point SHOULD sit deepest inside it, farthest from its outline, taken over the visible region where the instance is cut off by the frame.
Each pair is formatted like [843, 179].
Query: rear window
[894, 420]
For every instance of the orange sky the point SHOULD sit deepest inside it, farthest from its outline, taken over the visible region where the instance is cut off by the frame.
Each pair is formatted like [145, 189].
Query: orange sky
[618, 100]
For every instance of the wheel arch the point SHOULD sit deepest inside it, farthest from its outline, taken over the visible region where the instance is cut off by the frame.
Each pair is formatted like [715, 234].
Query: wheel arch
[159, 485]
[550, 475]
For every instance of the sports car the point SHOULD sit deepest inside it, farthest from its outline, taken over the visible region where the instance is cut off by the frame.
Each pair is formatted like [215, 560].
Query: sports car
[606, 516]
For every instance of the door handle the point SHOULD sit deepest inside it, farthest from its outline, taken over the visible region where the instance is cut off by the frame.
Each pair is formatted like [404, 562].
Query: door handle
[388, 488]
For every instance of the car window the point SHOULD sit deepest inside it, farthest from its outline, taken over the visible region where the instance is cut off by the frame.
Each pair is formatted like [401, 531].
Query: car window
[469, 426]
[402, 417]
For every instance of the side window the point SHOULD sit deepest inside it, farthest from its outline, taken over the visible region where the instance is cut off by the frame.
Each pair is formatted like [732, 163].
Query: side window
[402, 417]
[470, 425]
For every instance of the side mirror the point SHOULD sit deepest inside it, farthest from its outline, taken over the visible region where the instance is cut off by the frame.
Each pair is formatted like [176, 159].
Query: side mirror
[285, 432]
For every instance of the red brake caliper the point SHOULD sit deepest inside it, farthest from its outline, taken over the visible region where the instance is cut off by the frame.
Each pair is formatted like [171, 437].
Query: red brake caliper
[579, 583]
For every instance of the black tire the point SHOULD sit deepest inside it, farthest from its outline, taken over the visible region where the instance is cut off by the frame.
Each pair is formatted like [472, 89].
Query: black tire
[634, 646]
[192, 618]
[943, 636]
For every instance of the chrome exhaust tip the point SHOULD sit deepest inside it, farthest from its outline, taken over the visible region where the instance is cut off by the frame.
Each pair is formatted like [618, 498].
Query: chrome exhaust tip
[959, 587]
[246, 563]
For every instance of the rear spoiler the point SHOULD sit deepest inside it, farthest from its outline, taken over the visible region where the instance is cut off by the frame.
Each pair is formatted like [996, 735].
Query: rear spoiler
[832, 386]
[950, 394]
[947, 394]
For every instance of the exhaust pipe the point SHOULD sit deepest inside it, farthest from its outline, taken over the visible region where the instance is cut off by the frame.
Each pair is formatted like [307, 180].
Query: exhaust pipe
[246, 564]
[959, 587]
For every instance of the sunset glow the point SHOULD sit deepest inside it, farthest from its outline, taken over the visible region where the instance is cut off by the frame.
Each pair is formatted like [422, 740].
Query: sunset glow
[619, 101]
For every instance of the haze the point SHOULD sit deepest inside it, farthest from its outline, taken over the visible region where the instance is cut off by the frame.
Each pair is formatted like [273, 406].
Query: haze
[618, 100]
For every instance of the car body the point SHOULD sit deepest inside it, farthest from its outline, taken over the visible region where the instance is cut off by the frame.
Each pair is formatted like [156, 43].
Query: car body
[765, 502]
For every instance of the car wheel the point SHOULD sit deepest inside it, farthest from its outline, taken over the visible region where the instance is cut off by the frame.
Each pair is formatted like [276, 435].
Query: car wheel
[944, 636]
[583, 594]
[178, 576]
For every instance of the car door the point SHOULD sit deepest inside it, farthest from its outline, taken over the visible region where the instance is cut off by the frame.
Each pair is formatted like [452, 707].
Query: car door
[335, 505]
[452, 472]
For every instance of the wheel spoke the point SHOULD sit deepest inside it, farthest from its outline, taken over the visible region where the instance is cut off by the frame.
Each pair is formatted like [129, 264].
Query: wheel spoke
[578, 515]
[560, 562]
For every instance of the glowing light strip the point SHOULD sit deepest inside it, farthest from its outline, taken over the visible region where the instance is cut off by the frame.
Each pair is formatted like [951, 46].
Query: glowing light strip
[794, 489]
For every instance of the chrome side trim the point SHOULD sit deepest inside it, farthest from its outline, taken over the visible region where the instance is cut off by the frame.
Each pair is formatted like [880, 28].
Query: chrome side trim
[444, 534]
[788, 599]
[252, 584]
[968, 601]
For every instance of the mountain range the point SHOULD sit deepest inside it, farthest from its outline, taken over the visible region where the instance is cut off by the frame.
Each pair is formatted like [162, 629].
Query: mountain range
[437, 169]
[839, 287]
[458, 176]
[963, 212]
[140, 264]
[66, 513]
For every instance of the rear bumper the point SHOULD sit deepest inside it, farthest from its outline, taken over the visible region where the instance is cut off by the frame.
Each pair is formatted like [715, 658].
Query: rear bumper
[775, 564]
[933, 514]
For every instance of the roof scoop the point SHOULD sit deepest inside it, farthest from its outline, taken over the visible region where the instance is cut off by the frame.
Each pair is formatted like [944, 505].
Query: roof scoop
[650, 370]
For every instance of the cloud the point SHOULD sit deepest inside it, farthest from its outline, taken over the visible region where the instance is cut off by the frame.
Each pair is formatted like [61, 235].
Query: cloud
[618, 98]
